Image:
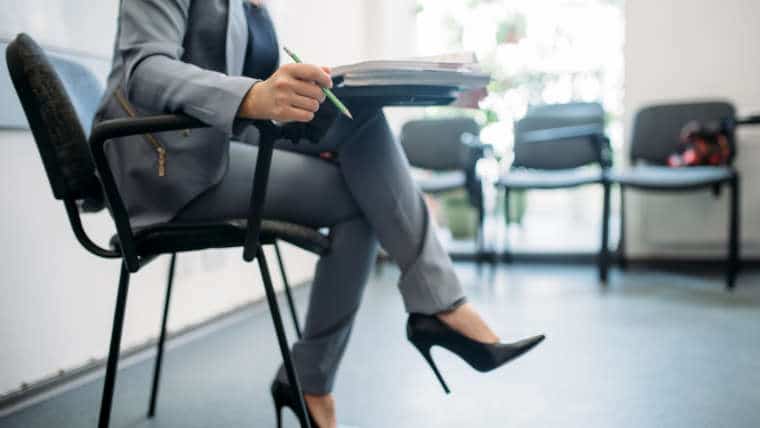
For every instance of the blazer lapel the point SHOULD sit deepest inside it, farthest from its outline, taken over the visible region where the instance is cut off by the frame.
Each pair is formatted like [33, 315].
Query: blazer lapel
[237, 37]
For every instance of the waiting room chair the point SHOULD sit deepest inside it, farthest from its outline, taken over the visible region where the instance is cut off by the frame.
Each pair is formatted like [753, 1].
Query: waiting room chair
[449, 148]
[655, 137]
[561, 146]
[59, 98]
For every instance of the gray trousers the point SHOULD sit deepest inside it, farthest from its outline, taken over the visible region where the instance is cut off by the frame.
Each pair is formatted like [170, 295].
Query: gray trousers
[365, 195]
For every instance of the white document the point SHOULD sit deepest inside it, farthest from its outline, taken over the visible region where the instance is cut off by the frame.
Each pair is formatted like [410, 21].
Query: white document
[459, 70]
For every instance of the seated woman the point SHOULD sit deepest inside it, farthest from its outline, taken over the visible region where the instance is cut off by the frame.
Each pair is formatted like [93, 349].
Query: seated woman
[217, 60]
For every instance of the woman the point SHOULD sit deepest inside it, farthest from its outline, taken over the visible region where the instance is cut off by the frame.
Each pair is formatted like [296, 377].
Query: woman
[217, 60]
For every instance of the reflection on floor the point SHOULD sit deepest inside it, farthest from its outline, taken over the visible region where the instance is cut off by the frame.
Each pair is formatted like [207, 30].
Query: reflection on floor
[654, 349]
[555, 221]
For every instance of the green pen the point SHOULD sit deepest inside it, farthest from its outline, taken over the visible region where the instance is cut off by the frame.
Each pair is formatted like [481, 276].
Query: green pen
[328, 93]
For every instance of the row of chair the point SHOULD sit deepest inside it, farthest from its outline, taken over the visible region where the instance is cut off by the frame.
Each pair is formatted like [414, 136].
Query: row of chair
[564, 146]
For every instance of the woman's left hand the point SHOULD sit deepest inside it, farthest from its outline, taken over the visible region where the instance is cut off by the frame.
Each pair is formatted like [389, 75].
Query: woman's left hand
[471, 98]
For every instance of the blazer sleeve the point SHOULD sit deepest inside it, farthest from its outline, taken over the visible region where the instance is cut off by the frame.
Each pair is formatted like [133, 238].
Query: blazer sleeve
[155, 77]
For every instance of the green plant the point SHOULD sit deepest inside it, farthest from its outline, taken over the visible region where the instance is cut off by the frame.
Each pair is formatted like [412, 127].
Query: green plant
[460, 216]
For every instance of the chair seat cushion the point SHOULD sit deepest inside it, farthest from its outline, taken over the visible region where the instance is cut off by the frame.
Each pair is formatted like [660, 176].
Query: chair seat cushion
[442, 182]
[178, 237]
[663, 178]
[549, 179]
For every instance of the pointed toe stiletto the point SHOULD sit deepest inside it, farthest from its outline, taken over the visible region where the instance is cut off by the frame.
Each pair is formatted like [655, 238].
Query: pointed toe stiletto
[425, 331]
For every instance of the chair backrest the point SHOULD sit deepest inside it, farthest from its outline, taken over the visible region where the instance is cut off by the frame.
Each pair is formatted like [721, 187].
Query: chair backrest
[59, 98]
[436, 144]
[656, 129]
[559, 154]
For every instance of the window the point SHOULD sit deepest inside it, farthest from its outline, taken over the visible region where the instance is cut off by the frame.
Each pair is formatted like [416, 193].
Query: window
[539, 52]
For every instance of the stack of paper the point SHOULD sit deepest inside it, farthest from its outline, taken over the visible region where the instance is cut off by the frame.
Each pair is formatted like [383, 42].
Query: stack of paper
[459, 70]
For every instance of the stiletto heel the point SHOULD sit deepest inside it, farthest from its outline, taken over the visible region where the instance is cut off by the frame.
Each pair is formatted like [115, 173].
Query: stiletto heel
[425, 331]
[278, 404]
[425, 351]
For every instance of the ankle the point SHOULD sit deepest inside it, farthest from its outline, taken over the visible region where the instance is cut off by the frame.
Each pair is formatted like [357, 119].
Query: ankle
[465, 320]
[322, 409]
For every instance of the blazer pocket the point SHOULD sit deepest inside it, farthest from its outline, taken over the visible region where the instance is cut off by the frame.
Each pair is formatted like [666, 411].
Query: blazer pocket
[150, 138]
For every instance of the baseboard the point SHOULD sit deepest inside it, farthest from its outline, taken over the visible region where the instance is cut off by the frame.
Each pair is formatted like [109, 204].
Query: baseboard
[577, 258]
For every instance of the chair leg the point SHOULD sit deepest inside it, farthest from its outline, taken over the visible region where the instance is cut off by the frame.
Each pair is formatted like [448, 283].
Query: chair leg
[281, 337]
[732, 267]
[604, 251]
[621, 252]
[481, 238]
[113, 351]
[507, 255]
[161, 339]
[288, 295]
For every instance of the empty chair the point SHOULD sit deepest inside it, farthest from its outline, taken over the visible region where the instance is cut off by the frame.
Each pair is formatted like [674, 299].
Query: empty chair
[59, 98]
[562, 146]
[449, 148]
[655, 136]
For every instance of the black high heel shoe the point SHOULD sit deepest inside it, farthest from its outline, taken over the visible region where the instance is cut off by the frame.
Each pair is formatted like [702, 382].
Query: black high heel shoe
[424, 331]
[284, 396]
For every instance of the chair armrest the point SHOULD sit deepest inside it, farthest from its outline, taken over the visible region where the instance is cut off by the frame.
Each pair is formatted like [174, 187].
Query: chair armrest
[473, 142]
[114, 128]
[750, 120]
[476, 149]
[594, 133]
[563, 133]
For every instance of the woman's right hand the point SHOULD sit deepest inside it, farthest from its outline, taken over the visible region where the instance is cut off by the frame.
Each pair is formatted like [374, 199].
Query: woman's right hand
[292, 93]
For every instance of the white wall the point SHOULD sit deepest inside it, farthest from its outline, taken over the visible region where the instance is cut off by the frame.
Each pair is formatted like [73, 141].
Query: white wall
[694, 49]
[57, 300]
[339, 32]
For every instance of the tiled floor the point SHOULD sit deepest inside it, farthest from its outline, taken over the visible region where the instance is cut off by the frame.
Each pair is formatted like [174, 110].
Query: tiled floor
[654, 349]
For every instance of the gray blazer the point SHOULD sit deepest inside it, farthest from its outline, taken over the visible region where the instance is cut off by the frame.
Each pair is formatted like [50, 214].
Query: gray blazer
[174, 56]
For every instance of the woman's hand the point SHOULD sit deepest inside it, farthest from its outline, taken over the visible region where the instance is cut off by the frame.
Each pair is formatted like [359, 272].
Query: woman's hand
[293, 93]
[471, 98]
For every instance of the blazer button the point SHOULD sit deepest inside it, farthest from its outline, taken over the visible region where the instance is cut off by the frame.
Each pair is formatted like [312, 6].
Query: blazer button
[186, 133]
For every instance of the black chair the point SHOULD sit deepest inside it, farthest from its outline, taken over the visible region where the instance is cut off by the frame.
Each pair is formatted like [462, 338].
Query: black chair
[561, 146]
[655, 136]
[450, 148]
[59, 100]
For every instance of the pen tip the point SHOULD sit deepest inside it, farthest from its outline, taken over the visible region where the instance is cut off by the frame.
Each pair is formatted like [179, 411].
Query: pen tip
[349, 115]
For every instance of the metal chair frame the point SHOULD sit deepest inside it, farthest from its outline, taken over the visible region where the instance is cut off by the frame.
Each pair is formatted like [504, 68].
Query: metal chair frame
[601, 144]
[733, 257]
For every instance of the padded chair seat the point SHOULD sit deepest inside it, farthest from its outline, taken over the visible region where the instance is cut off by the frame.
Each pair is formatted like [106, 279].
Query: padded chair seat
[664, 178]
[179, 237]
[549, 179]
[442, 182]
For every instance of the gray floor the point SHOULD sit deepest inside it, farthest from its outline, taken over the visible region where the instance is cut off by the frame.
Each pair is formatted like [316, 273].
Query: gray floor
[653, 350]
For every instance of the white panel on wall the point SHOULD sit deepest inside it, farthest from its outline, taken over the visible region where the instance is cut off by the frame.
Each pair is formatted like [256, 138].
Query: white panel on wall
[83, 26]
[322, 32]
